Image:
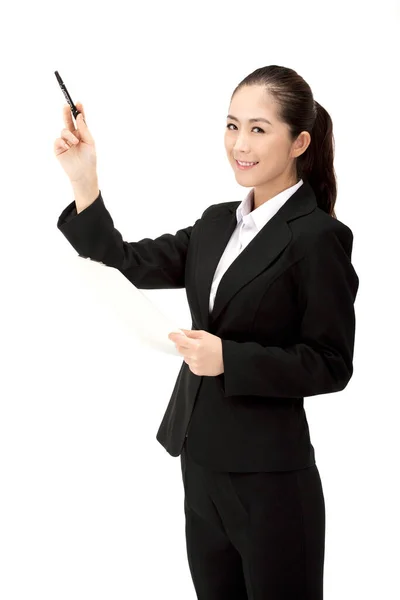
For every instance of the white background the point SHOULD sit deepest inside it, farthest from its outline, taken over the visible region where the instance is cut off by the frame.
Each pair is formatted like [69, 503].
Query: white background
[91, 505]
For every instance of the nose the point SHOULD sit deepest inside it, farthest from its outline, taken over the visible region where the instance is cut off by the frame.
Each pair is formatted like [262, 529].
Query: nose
[241, 145]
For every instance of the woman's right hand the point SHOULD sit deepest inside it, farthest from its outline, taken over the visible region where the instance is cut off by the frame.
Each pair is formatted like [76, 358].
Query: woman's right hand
[75, 149]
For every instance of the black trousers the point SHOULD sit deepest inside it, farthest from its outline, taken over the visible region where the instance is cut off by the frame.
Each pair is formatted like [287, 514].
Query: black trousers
[254, 536]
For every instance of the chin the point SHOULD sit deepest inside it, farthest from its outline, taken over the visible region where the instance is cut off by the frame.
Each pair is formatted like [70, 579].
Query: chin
[245, 185]
[243, 176]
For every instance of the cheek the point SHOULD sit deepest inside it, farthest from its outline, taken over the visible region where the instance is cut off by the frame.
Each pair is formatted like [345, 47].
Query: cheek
[270, 154]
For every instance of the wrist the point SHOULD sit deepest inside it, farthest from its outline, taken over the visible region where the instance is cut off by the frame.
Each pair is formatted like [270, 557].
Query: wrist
[85, 193]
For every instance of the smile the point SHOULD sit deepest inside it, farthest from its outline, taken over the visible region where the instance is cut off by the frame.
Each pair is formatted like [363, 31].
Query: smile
[243, 166]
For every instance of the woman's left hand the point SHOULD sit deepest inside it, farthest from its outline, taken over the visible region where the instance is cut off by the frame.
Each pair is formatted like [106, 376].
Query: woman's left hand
[201, 350]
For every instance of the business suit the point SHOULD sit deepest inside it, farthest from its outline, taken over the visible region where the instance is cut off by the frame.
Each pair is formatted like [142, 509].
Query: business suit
[284, 311]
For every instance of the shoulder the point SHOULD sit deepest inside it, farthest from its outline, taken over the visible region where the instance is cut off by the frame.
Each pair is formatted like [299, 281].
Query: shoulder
[215, 210]
[318, 230]
[332, 224]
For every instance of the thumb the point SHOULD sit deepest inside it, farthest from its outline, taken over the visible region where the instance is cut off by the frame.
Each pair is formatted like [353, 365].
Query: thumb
[194, 333]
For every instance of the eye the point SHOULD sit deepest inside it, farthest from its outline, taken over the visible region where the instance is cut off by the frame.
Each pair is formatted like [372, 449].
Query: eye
[229, 124]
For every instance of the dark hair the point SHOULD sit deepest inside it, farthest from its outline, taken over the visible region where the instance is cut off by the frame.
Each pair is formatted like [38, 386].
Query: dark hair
[300, 112]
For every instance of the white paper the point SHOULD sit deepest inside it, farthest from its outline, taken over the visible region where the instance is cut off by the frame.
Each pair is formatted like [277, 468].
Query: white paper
[138, 314]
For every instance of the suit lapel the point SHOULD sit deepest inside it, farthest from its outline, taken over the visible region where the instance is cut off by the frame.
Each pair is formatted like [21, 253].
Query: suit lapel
[263, 249]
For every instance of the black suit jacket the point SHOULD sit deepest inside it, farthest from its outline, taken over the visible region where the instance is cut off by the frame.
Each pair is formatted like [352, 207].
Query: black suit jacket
[284, 311]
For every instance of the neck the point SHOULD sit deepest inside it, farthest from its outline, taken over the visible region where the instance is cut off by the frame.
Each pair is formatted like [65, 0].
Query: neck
[263, 193]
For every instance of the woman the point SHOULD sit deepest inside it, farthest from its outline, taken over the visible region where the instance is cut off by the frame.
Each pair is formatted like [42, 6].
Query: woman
[271, 291]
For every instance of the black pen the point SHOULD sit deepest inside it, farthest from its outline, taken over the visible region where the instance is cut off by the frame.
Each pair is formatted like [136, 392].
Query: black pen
[74, 110]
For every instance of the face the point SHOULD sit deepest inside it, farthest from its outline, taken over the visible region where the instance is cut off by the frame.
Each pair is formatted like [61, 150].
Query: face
[267, 144]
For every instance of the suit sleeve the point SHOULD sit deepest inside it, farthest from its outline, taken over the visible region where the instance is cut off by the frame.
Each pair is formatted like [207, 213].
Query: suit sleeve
[148, 263]
[321, 361]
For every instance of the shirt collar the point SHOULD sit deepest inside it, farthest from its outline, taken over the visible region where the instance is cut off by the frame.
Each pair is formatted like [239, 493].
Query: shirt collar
[263, 213]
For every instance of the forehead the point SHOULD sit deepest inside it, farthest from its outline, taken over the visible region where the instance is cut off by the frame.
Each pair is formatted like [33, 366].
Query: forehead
[253, 101]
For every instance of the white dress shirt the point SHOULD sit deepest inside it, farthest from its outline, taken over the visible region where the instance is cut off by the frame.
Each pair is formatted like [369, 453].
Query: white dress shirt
[249, 223]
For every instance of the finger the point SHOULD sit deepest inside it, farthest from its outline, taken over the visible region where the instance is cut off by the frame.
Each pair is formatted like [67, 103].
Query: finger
[83, 129]
[183, 348]
[68, 136]
[179, 338]
[67, 114]
[60, 146]
[79, 106]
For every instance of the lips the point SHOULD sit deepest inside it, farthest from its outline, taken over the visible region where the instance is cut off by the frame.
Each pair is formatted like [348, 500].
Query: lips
[245, 167]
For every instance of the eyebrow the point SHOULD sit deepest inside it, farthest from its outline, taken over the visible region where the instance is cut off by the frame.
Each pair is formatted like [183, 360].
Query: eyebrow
[250, 120]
